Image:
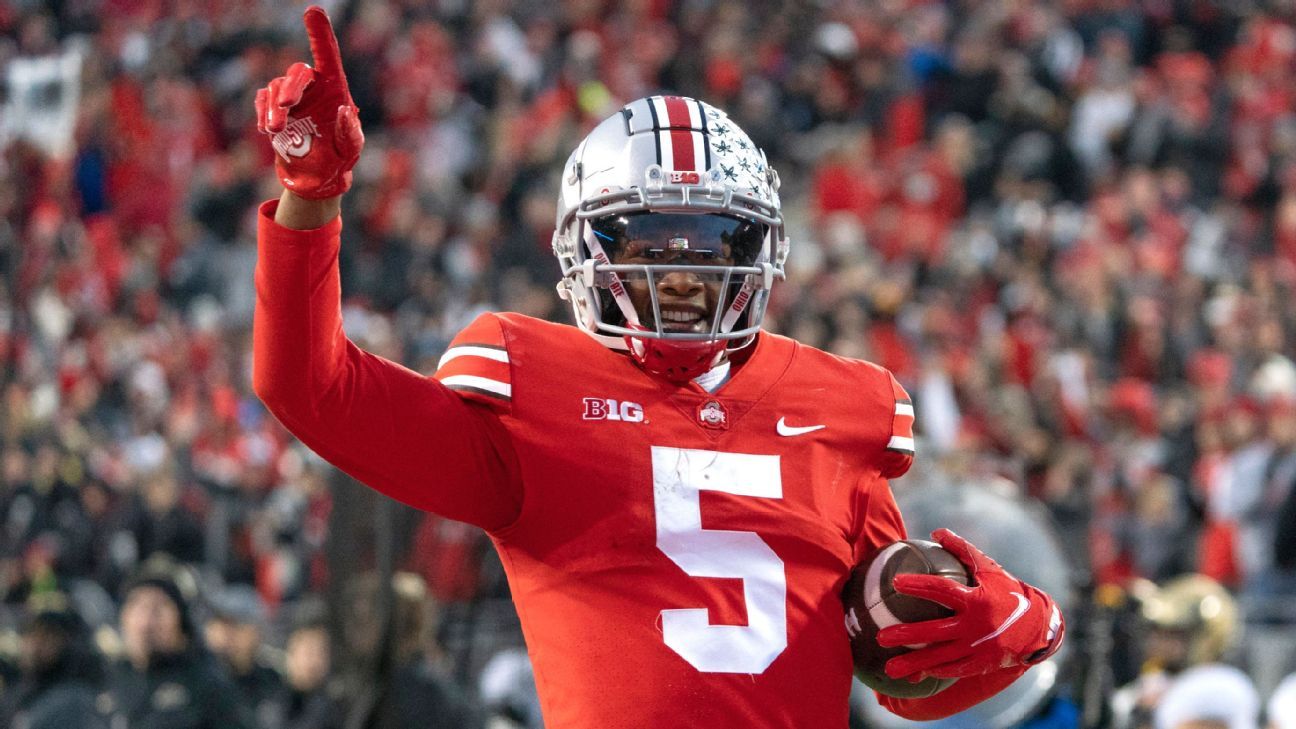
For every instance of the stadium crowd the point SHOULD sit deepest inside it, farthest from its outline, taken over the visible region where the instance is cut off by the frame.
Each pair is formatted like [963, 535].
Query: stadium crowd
[1068, 227]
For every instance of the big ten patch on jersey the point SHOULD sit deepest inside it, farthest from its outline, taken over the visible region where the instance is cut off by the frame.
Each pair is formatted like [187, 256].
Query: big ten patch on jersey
[607, 408]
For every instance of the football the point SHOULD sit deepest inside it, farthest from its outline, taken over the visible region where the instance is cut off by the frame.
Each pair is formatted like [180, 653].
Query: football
[872, 603]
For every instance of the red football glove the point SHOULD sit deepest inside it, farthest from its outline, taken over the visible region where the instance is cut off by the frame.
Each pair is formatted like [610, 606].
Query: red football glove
[998, 622]
[316, 135]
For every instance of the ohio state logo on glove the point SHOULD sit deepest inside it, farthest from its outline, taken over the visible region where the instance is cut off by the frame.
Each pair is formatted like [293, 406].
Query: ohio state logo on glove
[311, 118]
[295, 139]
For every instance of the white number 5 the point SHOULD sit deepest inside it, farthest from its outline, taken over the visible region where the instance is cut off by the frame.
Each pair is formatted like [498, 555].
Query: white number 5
[679, 475]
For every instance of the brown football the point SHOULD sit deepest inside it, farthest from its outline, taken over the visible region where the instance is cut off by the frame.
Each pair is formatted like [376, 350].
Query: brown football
[872, 603]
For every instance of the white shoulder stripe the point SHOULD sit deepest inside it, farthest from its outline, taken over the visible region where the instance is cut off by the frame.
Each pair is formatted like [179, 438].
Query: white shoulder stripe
[481, 383]
[467, 350]
[904, 408]
[901, 443]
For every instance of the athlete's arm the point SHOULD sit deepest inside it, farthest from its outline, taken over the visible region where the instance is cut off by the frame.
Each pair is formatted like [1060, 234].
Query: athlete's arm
[297, 213]
[403, 434]
[962, 695]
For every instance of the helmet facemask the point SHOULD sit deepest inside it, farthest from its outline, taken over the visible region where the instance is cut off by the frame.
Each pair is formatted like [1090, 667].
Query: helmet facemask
[681, 276]
[681, 281]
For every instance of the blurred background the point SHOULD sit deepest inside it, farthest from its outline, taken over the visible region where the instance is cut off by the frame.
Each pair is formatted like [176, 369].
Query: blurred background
[1068, 226]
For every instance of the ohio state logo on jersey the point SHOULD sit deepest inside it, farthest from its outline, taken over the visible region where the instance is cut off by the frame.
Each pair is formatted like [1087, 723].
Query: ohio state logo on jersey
[295, 139]
[712, 414]
[605, 408]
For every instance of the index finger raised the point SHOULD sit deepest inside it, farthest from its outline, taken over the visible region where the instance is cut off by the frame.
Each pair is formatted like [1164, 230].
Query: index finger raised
[323, 43]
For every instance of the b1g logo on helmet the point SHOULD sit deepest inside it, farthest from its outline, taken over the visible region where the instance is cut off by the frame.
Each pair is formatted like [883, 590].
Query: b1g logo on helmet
[601, 408]
[295, 139]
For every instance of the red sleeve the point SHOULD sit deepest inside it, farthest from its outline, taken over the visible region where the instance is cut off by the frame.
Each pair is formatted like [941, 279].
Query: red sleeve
[880, 519]
[964, 694]
[406, 435]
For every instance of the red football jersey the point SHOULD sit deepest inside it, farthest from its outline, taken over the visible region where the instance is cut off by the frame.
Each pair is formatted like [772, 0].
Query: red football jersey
[676, 557]
[679, 555]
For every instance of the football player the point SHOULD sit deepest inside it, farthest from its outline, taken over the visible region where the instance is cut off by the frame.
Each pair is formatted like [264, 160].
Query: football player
[677, 497]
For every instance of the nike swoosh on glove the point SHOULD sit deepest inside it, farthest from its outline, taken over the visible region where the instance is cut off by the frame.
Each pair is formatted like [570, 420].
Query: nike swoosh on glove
[998, 622]
[311, 118]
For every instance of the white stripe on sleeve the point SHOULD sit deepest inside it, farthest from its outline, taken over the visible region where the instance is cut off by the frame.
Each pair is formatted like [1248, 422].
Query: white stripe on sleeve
[467, 350]
[901, 443]
[481, 383]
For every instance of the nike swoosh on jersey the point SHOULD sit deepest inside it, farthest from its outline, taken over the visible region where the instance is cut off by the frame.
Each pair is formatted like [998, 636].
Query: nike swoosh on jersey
[1023, 604]
[785, 429]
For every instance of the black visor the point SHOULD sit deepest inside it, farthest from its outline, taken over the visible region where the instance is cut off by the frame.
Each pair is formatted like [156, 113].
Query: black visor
[680, 238]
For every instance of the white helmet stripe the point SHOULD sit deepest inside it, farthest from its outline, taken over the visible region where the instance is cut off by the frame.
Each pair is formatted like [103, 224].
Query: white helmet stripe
[656, 124]
[699, 140]
[700, 150]
[666, 142]
[695, 118]
[703, 138]
[661, 126]
[661, 117]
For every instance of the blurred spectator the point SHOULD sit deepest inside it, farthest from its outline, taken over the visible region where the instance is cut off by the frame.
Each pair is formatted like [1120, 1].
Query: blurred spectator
[1259, 497]
[1211, 696]
[234, 634]
[508, 690]
[61, 673]
[168, 679]
[1281, 707]
[311, 701]
[421, 691]
[159, 523]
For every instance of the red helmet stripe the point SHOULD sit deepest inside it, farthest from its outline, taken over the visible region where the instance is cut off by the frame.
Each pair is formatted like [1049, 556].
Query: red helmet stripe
[677, 112]
[682, 144]
[681, 134]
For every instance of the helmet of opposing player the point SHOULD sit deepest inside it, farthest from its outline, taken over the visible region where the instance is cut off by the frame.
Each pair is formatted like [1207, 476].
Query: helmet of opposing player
[1192, 620]
[669, 234]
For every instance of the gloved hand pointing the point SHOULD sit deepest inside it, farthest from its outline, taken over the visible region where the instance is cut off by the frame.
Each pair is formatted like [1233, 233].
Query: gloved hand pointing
[308, 111]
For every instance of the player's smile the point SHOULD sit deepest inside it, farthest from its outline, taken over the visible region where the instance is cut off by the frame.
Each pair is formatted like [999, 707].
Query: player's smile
[684, 318]
[686, 302]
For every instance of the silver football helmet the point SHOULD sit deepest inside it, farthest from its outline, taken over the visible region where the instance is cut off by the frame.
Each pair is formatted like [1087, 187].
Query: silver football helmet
[678, 181]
